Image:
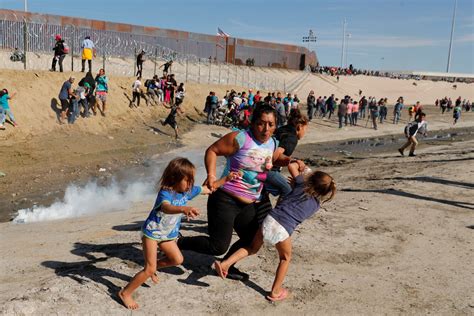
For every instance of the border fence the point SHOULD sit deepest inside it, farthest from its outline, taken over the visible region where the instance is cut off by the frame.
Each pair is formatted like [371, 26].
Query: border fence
[197, 57]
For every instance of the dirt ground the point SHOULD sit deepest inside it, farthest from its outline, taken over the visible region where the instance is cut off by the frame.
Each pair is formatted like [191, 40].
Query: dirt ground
[396, 240]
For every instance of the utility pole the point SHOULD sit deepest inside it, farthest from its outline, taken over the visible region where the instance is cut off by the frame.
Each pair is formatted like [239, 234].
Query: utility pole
[343, 42]
[26, 5]
[451, 40]
[348, 36]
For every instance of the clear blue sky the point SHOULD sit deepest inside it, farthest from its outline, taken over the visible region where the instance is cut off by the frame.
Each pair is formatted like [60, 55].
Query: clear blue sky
[387, 34]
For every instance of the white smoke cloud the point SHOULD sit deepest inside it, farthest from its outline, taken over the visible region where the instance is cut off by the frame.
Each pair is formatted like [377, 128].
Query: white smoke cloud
[89, 199]
[93, 198]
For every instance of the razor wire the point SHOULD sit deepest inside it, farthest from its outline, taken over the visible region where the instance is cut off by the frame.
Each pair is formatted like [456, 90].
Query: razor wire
[113, 44]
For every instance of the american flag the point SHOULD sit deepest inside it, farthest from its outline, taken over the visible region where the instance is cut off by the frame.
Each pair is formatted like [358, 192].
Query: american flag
[222, 33]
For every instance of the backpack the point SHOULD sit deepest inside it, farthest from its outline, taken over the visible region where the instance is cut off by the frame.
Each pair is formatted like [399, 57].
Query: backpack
[411, 128]
[65, 48]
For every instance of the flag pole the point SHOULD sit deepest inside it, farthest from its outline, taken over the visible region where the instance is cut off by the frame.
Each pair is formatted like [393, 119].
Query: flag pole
[226, 45]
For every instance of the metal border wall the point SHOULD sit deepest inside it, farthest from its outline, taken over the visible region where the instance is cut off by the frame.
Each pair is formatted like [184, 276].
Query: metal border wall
[123, 40]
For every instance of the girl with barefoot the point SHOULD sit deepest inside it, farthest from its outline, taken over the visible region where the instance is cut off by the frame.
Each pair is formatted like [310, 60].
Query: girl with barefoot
[305, 199]
[161, 228]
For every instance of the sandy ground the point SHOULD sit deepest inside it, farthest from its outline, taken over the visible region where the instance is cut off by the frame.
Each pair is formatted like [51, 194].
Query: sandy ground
[396, 240]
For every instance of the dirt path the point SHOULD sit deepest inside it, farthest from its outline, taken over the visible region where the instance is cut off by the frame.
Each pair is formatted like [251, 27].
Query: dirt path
[396, 240]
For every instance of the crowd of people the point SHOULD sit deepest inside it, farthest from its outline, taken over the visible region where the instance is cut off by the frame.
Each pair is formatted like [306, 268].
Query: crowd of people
[89, 95]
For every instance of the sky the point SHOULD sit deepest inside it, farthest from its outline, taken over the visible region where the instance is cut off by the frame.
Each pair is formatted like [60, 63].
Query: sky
[384, 34]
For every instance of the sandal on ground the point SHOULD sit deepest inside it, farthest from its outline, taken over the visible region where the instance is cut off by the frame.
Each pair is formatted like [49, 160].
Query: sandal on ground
[283, 294]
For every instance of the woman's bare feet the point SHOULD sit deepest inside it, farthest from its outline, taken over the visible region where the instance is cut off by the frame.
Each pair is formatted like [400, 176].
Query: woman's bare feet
[220, 269]
[127, 300]
[154, 278]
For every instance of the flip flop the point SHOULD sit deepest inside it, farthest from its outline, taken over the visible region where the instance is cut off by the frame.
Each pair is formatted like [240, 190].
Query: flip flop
[283, 294]
[220, 272]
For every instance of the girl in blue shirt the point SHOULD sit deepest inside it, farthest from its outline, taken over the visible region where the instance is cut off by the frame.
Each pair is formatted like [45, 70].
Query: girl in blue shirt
[5, 108]
[302, 202]
[161, 228]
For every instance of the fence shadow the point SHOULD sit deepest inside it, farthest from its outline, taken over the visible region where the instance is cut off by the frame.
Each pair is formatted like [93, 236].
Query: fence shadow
[460, 204]
[85, 271]
[460, 184]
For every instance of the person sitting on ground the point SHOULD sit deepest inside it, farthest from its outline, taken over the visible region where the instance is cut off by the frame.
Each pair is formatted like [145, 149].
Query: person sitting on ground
[161, 228]
[5, 108]
[304, 200]
[411, 129]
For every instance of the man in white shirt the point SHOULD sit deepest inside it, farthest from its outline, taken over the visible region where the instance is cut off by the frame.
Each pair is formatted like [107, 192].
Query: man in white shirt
[88, 52]
[412, 128]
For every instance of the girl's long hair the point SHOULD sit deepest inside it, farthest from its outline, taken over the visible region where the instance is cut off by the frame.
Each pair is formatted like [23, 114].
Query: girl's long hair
[321, 186]
[178, 169]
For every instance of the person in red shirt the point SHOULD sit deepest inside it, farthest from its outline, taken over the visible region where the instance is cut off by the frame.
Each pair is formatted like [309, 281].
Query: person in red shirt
[257, 97]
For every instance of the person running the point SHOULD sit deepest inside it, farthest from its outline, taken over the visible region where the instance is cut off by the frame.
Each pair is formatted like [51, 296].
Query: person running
[443, 105]
[411, 130]
[59, 53]
[5, 108]
[456, 113]
[288, 137]
[171, 118]
[304, 200]
[88, 52]
[102, 90]
[235, 204]
[161, 228]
